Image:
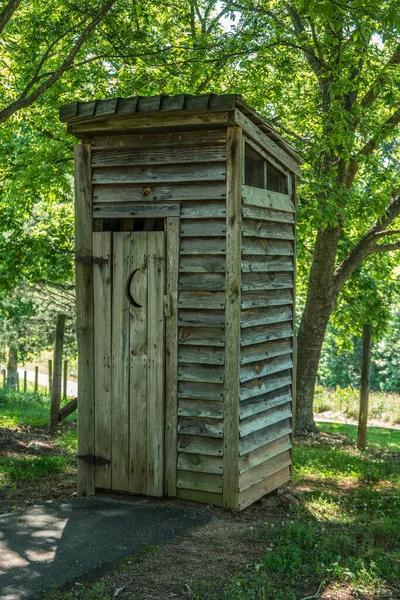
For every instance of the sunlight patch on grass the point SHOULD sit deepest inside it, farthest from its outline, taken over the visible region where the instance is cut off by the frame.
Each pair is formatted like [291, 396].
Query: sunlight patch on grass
[382, 438]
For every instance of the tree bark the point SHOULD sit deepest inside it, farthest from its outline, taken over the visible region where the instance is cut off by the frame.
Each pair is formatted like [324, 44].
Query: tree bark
[321, 299]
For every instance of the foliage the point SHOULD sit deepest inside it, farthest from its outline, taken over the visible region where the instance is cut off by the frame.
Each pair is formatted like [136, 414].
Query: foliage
[17, 408]
[341, 358]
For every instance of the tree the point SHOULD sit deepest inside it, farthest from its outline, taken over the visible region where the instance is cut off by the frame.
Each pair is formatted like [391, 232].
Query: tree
[331, 71]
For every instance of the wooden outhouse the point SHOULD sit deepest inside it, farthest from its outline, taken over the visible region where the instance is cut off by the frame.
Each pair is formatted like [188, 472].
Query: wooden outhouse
[185, 250]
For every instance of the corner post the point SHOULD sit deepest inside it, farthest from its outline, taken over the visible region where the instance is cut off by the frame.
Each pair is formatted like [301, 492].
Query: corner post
[84, 315]
[232, 317]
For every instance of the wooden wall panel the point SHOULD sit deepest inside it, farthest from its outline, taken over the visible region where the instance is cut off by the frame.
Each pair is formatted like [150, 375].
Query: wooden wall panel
[266, 372]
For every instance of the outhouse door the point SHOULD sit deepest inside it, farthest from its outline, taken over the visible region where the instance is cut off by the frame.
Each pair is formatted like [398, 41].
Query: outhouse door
[129, 351]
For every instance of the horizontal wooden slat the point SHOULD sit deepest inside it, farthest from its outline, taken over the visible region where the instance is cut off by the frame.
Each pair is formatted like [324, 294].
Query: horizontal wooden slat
[253, 406]
[266, 486]
[204, 318]
[202, 355]
[264, 214]
[193, 390]
[259, 456]
[264, 316]
[158, 156]
[266, 264]
[201, 299]
[267, 246]
[202, 264]
[251, 354]
[200, 408]
[200, 336]
[199, 281]
[265, 333]
[161, 174]
[205, 210]
[203, 246]
[201, 426]
[200, 373]
[265, 419]
[152, 121]
[159, 193]
[200, 463]
[266, 281]
[264, 470]
[193, 444]
[199, 496]
[252, 196]
[206, 482]
[264, 436]
[255, 299]
[150, 140]
[265, 367]
[263, 229]
[203, 227]
[138, 211]
[251, 389]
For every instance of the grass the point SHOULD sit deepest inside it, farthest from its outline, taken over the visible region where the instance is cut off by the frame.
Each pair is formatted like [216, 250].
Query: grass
[383, 406]
[345, 534]
[377, 437]
[32, 454]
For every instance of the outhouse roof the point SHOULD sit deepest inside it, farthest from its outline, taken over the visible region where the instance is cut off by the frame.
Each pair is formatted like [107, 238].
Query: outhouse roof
[98, 109]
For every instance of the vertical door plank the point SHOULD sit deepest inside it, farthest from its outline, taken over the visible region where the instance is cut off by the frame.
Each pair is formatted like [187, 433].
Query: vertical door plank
[120, 368]
[84, 315]
[138, 365]
[171, 357]
[155, 365]
[102, 357]
[232, 318]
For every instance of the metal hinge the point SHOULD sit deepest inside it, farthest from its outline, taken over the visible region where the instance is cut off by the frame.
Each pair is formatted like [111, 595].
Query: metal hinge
[91, 260]
[92, 459]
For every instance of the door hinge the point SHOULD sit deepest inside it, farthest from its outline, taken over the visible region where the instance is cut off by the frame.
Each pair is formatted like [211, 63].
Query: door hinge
[91, 260]
[92, 459]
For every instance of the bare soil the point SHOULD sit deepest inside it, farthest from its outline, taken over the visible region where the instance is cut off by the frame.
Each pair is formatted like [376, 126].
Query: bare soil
[31, 442]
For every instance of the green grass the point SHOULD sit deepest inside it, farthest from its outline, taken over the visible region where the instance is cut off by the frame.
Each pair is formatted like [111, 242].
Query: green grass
[32, 410]
[377, 437]
[346, 531]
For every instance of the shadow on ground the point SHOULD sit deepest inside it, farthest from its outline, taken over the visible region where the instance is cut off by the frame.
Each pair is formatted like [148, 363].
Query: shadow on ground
[57, 542]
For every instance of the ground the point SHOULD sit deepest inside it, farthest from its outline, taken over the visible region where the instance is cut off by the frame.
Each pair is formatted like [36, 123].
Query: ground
[341, 543]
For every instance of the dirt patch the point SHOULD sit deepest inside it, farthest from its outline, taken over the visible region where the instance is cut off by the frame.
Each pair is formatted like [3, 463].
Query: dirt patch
[33, 442]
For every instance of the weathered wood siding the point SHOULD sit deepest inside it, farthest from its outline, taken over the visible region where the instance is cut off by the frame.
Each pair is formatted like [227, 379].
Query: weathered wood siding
[266, 360]
[183, 174]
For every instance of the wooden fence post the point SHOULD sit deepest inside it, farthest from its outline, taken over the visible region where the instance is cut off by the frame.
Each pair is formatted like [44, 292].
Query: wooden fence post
[36, 379]
[4, 378]
[25, 381]
[50, 375]
[364, 388]
[56, 388]
[65, 379]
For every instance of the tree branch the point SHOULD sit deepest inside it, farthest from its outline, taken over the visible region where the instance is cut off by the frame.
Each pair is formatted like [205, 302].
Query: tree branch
[24, 102]
[380, 234]
[8, 12]
[383, 131]
[374, 90]
[385, 248]
[368, 244]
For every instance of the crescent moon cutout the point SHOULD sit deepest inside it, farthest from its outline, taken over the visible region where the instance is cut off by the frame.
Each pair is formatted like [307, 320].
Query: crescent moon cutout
[131, 299]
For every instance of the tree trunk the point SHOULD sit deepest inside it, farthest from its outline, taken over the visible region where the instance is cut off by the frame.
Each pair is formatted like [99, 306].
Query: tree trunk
[12, 368]
[321, 299]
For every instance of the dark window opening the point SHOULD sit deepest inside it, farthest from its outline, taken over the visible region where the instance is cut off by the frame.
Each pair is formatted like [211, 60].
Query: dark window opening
[259, 173]
[254, 171]
[276, 180]
[129, 224]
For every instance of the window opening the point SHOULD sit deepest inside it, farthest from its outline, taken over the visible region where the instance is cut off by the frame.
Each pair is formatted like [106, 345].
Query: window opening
[254, 168]
[132, 224]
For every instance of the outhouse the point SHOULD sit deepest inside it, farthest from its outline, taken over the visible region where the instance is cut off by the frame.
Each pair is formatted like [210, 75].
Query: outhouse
[185, 272]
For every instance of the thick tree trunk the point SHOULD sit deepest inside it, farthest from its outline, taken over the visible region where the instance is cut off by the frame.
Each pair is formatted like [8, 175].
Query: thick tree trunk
[12, 368]
[321, 299]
